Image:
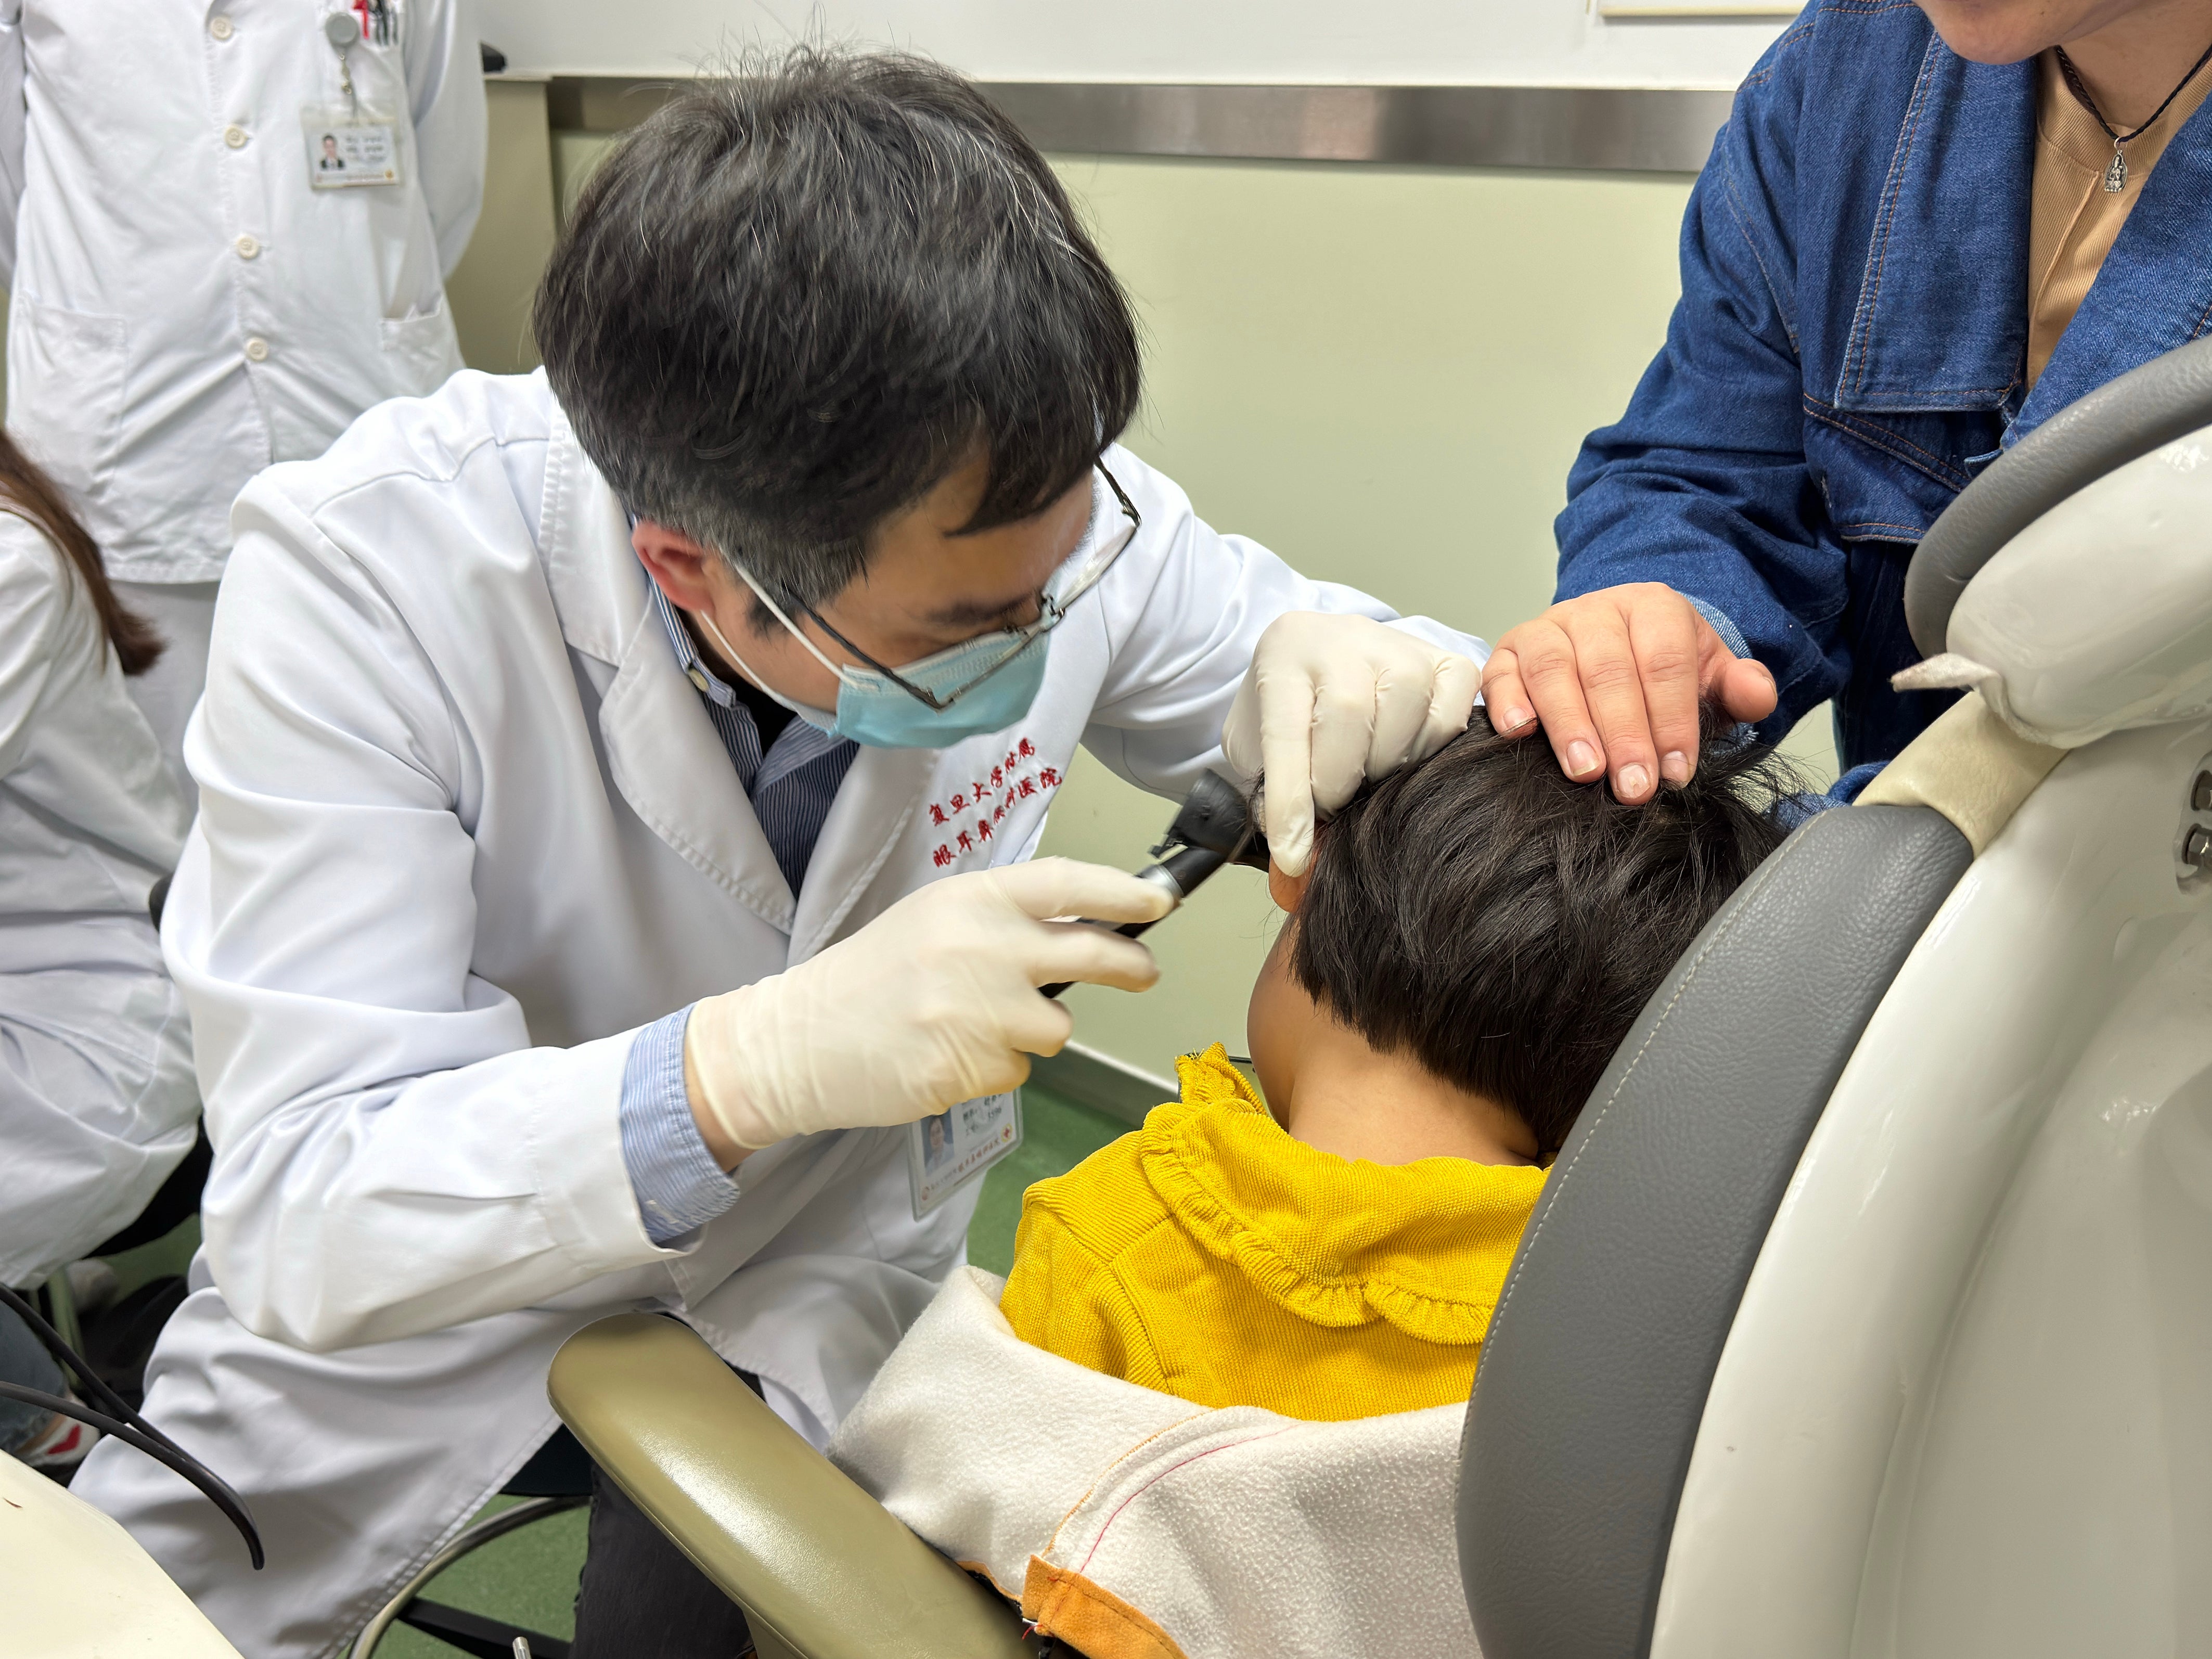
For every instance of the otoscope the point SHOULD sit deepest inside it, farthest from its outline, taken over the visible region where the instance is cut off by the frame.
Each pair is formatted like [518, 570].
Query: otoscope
[1217, 826]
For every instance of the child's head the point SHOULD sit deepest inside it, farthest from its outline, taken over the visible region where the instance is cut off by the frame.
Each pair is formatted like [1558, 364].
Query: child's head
[1502, 926]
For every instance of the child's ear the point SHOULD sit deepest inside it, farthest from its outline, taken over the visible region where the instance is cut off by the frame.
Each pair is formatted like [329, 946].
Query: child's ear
[1286, 890]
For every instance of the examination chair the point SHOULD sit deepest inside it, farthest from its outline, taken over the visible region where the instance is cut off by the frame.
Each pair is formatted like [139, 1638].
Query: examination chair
[1868, 1311]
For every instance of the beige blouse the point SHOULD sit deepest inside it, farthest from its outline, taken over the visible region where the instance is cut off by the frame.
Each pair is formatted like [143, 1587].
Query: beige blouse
[2072, 221]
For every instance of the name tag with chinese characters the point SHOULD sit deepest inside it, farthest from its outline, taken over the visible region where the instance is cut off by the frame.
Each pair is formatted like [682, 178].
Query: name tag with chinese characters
[346, 150]
[946, 1152]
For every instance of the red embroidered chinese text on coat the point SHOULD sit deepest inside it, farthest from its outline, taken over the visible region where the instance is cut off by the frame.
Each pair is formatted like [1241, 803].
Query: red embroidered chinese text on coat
[972, 814]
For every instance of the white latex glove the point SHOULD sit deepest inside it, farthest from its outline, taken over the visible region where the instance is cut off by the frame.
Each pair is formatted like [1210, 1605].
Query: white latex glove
[932, 1003]
[1331, 700]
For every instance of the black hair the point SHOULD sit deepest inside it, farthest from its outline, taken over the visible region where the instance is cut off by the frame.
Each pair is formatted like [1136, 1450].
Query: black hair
[1505, 925]
[792, 302]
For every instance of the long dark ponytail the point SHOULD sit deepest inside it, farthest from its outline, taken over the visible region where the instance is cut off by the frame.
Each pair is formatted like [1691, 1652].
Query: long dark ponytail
[27, 492]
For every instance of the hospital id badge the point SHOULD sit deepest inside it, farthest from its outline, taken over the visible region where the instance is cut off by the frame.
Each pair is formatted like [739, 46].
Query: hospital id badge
[348, 148]
[946, 1152]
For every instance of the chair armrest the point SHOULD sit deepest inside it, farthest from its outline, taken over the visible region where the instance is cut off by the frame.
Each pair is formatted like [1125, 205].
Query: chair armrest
[818, 1566]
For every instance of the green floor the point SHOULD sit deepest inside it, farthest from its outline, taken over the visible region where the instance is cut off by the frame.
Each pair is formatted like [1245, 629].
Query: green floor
[529, 1577]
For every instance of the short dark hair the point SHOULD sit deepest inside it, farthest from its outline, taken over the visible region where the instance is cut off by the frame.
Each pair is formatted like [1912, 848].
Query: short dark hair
[792, 302]
[1505, 925]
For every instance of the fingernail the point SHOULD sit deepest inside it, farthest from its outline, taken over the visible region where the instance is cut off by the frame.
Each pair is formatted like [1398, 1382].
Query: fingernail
[1512, 719]
[1674, 767]
[1581, 759]
[1632, 782]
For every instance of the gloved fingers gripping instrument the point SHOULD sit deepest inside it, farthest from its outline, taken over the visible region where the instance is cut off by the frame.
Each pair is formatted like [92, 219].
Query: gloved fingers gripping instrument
[123, 1423]
[932, 1003]
[1216, 827]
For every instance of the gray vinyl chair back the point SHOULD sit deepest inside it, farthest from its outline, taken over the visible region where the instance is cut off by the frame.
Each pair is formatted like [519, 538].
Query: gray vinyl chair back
[1597, 1364]
[2166, 399]
[1595, 1370]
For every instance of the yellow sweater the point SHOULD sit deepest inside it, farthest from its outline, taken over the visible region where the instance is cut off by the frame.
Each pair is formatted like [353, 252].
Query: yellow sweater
[1211, 1255]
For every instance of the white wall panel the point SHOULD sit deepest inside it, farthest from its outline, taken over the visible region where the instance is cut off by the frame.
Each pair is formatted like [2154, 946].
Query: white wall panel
[1360, 42]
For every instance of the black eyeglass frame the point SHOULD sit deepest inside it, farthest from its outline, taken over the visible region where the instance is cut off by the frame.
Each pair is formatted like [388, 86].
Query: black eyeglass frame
[1051, 613]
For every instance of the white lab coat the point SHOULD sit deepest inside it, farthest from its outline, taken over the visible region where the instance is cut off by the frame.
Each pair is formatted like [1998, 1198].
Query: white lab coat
[464, 828]
[184, 309]
[97, 1098]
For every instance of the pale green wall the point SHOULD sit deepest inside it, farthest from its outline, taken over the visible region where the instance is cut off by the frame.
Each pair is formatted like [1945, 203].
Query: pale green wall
[573, 153]
[490, 290]
[1381, 373]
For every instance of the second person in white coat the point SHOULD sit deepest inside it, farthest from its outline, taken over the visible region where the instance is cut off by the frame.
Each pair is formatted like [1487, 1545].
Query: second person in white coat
[616, 791]
[98, 1104]
[191, 297]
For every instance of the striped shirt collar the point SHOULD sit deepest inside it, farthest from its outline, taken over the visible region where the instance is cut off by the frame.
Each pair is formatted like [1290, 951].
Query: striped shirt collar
[799, 743]
[711, 686]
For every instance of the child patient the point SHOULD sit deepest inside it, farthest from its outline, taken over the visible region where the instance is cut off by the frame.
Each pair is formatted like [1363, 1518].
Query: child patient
[1474, 938]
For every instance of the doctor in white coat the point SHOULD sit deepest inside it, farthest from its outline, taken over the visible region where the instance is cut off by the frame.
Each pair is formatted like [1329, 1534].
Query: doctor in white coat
[615, 790]
[191, 297]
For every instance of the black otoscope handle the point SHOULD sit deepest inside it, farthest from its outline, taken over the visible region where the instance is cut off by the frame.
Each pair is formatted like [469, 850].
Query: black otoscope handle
[1178, 875]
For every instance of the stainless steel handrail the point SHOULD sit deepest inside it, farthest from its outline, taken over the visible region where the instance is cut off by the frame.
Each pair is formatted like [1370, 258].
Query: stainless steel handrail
[1626, 129]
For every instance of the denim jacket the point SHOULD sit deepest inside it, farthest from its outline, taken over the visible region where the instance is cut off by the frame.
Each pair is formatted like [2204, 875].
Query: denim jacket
[1849, 349]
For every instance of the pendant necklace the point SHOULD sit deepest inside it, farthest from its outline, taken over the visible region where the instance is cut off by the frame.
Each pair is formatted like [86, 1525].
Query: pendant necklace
[2115, 175]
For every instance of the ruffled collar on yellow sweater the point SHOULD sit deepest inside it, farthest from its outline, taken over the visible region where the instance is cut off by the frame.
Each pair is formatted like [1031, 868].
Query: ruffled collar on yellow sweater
[1424, 1245]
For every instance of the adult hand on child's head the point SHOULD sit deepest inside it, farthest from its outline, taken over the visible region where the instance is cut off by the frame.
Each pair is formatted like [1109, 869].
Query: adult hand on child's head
[1615, 677]
[1330, 701]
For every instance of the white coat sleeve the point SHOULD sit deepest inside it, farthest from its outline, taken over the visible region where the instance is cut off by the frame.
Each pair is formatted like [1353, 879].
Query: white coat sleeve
[11, 133]
[392, 1153]
[445, 79]
[1182, 624]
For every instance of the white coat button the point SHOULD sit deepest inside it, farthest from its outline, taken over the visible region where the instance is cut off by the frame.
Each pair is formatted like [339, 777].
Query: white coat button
[219, 27]
[246, 247]
[234, 136]
[257, 349]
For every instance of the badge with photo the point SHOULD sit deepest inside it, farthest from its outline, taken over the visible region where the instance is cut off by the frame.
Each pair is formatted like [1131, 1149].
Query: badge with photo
[946, 1152]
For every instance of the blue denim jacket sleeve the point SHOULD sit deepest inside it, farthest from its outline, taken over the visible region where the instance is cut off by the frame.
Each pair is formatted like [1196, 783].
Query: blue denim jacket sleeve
[677, 1185]
[1704, 483]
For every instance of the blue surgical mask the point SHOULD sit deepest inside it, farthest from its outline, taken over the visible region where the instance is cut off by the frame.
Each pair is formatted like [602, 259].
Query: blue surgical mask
[982, 684]
[873, 710]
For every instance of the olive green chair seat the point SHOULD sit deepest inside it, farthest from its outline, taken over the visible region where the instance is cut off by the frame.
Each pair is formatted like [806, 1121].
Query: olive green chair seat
[821, 1569]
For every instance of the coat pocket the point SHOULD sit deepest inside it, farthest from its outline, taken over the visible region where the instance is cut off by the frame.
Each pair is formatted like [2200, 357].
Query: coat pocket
[422, 347]
[66, 376]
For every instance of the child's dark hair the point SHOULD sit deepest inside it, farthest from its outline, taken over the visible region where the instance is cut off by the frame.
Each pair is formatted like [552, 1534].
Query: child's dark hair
[1505, 925]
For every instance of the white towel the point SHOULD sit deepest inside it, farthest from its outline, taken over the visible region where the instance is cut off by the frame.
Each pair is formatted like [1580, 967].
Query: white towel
[1135, 1525]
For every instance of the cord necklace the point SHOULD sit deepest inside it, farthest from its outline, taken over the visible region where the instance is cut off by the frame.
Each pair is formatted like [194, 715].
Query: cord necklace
[2116, 174]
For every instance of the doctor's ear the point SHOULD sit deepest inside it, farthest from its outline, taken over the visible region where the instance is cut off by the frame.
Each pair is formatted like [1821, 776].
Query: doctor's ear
[678, 566]
[1286, 890]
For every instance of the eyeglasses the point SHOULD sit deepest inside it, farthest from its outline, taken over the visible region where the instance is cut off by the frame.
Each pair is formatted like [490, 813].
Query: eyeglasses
[1052, 611]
